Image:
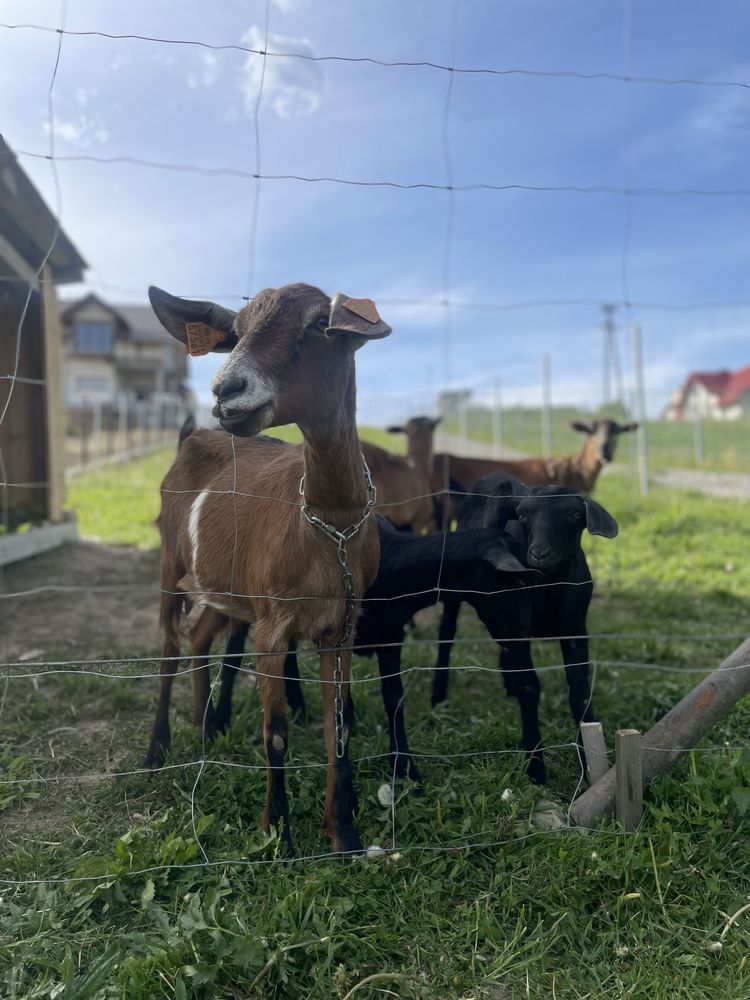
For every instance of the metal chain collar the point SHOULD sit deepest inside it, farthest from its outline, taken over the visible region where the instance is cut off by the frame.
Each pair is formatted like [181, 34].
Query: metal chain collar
[342, 539]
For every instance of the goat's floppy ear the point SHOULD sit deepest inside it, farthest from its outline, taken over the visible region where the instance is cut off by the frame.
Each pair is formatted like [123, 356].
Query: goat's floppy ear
[394, 430]
[436, 421]
[502, 504]
[598, 520]
[502, 559]
[584, 428]
[358, 318]
[201, 326]
[624, 428]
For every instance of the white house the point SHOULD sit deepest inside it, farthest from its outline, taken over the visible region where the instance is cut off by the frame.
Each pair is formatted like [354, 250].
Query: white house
[119, 352]
[717, 395]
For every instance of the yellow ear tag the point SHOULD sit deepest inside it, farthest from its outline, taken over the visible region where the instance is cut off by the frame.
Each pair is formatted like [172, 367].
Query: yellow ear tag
[202, 338]
[364, 308]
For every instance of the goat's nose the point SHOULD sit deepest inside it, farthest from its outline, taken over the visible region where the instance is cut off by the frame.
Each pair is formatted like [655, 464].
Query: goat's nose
[540, 552]
[233, 385]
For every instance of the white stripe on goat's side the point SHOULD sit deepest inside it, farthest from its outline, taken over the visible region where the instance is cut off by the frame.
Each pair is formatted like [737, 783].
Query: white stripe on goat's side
[195, 513]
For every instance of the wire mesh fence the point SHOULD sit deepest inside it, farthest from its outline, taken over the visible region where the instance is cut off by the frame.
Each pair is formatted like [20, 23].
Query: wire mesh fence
[486, 413]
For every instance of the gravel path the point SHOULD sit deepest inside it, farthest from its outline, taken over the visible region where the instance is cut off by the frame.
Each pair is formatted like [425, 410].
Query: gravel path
[714, 484]
[456, 445]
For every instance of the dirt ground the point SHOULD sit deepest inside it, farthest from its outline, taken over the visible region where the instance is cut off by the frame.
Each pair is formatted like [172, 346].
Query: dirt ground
[82, 600]
[103, 602]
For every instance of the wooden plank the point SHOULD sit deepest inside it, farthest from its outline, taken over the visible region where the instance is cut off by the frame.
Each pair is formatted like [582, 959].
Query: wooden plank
[595, 748]
[24, 544]
[55, 409]
[629, 765]
[673, 735]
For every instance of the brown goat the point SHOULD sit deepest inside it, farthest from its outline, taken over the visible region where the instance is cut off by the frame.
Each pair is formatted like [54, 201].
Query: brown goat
[578, 472]
[234, 536]
[403, 484]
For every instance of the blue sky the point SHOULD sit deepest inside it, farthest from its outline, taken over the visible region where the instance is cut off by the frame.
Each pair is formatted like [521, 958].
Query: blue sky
[191, 234]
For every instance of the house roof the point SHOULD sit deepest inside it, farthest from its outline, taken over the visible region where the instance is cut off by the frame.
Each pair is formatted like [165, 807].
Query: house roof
[737, 386]
[715, 382]
[138, 323]
[30, 227]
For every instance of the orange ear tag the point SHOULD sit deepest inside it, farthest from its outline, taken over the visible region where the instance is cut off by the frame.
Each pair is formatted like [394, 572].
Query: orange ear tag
[202, 338]
[364, 308]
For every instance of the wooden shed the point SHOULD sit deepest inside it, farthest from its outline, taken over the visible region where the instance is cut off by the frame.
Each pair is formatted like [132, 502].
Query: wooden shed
[32, 470]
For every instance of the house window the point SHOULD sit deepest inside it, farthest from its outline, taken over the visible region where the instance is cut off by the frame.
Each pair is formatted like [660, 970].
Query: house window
[93, 338]
[96, 384]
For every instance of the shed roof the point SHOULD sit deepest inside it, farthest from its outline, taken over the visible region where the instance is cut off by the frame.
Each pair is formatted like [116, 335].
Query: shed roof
[30, 227]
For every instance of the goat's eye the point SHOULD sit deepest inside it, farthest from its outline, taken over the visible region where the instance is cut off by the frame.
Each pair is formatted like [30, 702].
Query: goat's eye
[321, 324]
[578, 515]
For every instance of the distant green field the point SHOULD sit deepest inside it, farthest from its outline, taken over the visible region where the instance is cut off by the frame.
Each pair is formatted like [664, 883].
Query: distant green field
[725, 444]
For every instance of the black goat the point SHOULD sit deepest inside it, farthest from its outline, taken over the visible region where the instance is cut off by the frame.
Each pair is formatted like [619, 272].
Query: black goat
[483, 564]
[549, 522]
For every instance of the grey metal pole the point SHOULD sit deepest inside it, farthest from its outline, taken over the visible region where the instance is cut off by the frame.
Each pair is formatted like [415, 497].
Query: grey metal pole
[497, 419]
[640, 407]
[546, 408]
[698, 438]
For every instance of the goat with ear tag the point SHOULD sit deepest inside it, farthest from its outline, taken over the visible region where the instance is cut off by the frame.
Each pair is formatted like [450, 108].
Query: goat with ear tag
[233, 536]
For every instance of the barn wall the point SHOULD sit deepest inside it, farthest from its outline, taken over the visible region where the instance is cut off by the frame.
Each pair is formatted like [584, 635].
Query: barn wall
[23, 432]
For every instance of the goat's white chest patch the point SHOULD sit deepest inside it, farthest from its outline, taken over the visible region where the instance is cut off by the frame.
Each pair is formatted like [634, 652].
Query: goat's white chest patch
[193, 530]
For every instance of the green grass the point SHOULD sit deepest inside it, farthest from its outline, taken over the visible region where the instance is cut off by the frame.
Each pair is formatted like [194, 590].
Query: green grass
[726, 444]
[530, 914]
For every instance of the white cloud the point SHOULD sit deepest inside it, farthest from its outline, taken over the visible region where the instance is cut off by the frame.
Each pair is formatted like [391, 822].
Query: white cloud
[291, 87]
[208, 74]
[82, 130]
[120, 61]
[84, 95]
[289, 6]
[713, 132]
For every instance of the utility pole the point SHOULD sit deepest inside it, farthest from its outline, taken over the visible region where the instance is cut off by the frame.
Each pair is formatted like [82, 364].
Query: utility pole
[611, 367]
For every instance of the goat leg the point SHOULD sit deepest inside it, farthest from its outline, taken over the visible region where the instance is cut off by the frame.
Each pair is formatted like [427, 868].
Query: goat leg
[161, 737]
[275, 738]
[341, 799]
[521, 682]
[293, 687]
[392, 689]
[448, 625]
[201, 639]
[229, 669]
[575, 653]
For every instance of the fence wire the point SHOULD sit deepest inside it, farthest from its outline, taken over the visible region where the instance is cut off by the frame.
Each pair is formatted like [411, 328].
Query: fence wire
[30, 671]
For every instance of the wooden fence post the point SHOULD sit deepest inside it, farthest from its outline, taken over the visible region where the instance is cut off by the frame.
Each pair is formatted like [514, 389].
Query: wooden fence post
[675, 734]
[629, 786]
[55, 408]
[597, 761]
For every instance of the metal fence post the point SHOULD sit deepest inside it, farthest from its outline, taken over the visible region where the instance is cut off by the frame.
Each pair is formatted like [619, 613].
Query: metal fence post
[84, 434]
[122, 423]
[96, 449]
[546, 408]
[698, 438]
[497, 419]
[640, 407]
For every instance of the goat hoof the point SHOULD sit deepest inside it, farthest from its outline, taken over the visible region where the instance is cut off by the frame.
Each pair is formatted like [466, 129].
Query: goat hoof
[346, 840]
[404, 767]
[537, 771]
[222, 723]
[155, 758]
